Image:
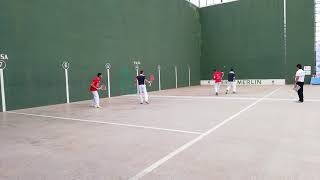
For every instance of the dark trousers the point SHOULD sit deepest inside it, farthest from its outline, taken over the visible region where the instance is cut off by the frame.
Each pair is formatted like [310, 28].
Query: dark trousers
[300, 92]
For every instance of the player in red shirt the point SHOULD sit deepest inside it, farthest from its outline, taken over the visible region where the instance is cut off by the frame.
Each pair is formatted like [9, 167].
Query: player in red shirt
[217, 77]
[94, 87]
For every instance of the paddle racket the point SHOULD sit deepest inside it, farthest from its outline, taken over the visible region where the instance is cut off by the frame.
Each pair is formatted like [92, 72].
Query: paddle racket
[151, 79]
[103, 87]
[296, 88]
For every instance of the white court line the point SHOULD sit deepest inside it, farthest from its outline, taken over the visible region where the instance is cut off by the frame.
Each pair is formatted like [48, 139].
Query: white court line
[294, 99]
[205, 100]
[189, 144]
[196, 97]
[109, 123]
[224, 98]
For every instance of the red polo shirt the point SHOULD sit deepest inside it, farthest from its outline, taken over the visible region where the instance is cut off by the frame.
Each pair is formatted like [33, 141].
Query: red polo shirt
[217, 76]
[96, 83]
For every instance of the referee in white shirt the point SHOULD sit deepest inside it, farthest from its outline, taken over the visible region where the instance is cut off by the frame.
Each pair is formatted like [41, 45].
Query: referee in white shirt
[299, 80]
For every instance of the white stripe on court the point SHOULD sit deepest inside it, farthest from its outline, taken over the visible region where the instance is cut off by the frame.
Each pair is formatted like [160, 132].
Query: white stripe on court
[223, 98]
[206, 100]
[189, 144]
[199, 97]
[109, 123]
[195, 97]
[287, 99]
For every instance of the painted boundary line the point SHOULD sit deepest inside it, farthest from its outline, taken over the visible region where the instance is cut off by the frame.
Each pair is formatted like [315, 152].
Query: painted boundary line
[199, 138]
[222, 98]
[204, 99]
[109, 123]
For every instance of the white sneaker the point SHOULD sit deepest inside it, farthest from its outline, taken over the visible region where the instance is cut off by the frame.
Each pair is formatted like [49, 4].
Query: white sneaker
[98, 107]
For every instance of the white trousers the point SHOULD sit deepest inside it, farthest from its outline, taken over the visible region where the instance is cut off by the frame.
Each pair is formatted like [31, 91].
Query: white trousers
[142, 90]
[217, 87]
[95, 100]
[232, 85]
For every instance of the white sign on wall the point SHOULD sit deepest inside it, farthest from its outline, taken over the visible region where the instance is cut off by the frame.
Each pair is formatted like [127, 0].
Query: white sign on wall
[136, 64]
[248, 82]
[307, 70]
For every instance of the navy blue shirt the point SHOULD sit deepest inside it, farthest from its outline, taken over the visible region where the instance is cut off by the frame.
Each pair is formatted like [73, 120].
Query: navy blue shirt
[141, 78]
[231, 76]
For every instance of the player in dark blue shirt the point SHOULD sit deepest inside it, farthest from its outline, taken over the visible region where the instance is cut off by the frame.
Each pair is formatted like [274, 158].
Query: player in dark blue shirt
[231, 81]
[142, 89]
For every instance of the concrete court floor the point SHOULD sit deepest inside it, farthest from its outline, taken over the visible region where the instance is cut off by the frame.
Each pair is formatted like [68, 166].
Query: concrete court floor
[184, 134]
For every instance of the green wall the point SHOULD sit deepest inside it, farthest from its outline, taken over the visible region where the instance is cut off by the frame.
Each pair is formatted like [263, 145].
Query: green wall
[39, 34]
[248, 35]
[301, 35]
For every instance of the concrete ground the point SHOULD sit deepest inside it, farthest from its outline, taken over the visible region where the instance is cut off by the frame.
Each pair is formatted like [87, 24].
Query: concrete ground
[260, 133]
